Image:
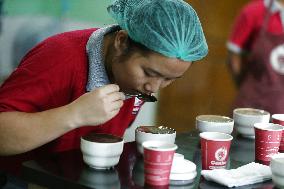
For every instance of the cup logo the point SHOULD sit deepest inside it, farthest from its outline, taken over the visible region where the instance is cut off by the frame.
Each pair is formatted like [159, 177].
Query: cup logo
[221, 154]
[277, 59]
[278, 137]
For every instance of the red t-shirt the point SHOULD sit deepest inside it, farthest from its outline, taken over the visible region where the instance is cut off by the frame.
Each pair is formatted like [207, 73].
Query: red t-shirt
[53, 74]
[248, 24]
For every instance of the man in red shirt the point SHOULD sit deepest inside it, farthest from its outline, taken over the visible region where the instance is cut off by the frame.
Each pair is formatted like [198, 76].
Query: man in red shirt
[256, 55]
[76, 82]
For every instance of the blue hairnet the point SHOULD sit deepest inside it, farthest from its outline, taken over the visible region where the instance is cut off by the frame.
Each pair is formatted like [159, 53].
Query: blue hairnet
[169, 27]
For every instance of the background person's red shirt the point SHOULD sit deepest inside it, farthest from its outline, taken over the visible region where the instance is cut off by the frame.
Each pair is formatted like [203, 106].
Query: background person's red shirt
[248, 24]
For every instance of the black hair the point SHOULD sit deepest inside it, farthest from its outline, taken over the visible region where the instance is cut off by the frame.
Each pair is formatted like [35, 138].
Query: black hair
[134, 46]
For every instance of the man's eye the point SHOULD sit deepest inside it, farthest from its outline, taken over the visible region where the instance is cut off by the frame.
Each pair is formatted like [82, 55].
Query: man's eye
[148, 74]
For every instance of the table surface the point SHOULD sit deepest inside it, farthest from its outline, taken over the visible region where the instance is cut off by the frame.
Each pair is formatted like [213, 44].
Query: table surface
[67, 169]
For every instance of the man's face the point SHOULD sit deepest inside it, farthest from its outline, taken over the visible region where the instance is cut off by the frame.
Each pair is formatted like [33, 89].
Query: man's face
[146, 73]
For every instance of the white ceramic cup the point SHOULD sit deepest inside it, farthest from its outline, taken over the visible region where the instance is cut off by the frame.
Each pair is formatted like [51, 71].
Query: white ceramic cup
[245, 118]
[277, 169]
[143, 136]
[214, 123]
[101, 155]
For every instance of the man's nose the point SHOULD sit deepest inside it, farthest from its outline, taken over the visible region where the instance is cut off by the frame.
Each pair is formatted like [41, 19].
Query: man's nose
[153, 85]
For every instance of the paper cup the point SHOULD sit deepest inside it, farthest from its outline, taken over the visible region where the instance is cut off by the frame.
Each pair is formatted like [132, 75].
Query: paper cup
[267, 141]
[215, 149]
[279, 119]
[158, 158]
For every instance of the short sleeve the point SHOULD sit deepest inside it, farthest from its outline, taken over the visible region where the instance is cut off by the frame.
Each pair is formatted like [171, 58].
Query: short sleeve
[242, 31]
[46, 78]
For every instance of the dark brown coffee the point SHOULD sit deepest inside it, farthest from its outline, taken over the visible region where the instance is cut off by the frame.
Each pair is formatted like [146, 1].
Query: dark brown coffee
[102, 138]
[156, 129]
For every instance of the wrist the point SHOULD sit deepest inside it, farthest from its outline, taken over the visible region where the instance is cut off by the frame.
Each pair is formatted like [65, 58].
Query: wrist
[71, 117]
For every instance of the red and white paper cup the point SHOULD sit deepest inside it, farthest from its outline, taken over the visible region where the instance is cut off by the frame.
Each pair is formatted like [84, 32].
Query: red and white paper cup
[158, 158]
[215, 149]
[267, 141]
[279, 119]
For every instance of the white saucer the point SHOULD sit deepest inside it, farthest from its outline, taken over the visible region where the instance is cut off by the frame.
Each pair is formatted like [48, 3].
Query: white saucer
[183, 176]
[101, 168]
[182, 184]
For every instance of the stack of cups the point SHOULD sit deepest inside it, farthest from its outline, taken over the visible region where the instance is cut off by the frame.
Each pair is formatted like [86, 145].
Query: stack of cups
[215, 147]
[158, 158]
[267, 141]
[279, 119]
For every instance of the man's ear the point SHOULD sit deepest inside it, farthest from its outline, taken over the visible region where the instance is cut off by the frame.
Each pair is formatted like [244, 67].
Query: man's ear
[121, 41]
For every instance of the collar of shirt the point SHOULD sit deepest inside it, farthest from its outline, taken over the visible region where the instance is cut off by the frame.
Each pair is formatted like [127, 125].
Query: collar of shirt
[276, 7]
[97, 76]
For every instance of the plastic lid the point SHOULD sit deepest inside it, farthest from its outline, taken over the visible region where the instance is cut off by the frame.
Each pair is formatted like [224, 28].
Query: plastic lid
[181, 165]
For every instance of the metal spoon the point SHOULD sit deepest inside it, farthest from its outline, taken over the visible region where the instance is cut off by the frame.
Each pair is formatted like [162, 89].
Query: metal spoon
[144, 97]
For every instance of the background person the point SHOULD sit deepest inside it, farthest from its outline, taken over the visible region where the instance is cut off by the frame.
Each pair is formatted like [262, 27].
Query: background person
[256, 55]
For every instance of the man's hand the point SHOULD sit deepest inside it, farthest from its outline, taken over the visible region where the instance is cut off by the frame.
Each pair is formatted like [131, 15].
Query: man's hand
[98, 106]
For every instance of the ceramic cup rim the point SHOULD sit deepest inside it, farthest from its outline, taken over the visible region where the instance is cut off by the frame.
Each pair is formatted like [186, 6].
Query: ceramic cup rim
[149, 133]
[268, 126]
[277, 160]
[120, 139]
[279, 117]
[216, 136]
[236, 112]
[199, 118]
[277, 156]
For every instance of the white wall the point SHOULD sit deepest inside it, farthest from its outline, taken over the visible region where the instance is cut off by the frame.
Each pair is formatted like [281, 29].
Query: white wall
[19, 27]
[145, 117]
